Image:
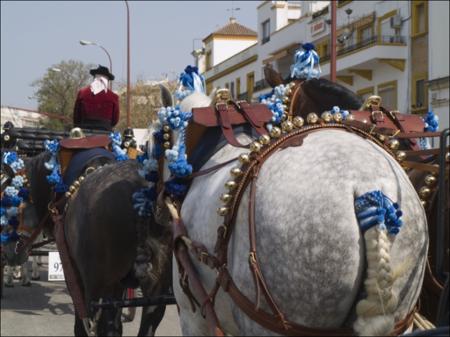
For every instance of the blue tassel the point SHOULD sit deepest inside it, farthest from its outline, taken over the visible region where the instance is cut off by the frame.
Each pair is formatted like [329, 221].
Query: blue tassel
[305, 62]
[376, 209]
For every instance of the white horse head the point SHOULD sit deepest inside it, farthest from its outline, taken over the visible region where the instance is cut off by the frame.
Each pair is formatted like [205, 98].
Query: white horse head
[322, 271]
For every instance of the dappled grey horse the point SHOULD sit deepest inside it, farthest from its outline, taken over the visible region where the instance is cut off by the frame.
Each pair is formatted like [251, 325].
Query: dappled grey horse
[321, 269]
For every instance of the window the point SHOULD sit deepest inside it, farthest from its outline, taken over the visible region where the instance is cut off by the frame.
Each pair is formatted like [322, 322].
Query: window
[266, 31]
[250, 85]
[365, 33]
[238, 87]
[208, 60]
[419, 17]
[420, 93]
[388, 93]
[232, 89]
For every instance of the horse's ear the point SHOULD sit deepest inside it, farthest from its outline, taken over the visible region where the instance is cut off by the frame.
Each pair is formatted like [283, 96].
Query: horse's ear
[212, 95]
[166, 96]
[273, 77]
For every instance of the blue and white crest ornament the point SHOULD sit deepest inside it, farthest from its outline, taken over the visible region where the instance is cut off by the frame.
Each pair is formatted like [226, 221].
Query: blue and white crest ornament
[190, 81]
[306, 63]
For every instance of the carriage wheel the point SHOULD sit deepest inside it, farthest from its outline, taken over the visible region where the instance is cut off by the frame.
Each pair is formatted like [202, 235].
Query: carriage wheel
[129, 313]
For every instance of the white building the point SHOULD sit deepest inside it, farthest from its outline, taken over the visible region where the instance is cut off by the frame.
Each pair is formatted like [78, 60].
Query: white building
[21, 117]
[395, 49]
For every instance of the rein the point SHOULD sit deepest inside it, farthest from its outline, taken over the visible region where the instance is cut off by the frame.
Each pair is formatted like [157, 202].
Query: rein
[189, 279]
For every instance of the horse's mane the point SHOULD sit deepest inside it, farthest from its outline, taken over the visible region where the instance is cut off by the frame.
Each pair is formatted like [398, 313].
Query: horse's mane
[40, 190]
[327, 94]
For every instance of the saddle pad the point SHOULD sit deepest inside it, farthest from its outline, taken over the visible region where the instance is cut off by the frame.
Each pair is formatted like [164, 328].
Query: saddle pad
[86, 142]
[81, 159]
[409, 122]
[208, 117]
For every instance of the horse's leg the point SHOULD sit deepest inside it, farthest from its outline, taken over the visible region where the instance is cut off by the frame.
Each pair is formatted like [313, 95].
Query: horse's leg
[25, 275]
[35, 269]
[151, 317]
[17, 273]
[9, 282]
[79, 329]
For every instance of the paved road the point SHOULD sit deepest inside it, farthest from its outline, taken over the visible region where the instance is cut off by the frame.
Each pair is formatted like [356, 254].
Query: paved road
[45, 309]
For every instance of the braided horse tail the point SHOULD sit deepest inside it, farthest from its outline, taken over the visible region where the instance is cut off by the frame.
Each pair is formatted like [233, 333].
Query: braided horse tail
[378, 216]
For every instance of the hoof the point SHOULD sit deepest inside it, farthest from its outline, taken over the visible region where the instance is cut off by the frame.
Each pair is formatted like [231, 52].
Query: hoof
[35, 278]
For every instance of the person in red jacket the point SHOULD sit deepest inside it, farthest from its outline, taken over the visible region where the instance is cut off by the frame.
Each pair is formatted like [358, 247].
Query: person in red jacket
[96, 106]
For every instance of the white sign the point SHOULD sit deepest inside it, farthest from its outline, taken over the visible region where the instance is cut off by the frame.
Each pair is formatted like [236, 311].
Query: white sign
[55, 268]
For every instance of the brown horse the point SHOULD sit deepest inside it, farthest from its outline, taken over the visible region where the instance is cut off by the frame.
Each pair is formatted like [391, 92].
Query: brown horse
[319, 95]
[106, 240]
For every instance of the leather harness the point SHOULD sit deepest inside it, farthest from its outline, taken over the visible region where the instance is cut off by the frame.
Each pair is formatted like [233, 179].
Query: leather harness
[275, 320]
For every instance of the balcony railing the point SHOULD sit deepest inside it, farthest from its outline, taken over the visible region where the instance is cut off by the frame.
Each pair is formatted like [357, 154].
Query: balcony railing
[373, 40]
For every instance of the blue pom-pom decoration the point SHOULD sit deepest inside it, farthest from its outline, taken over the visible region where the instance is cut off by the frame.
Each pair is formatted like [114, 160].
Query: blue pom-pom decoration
[376, 209]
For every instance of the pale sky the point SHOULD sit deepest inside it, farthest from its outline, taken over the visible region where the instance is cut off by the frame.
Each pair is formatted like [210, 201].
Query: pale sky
[35, 35]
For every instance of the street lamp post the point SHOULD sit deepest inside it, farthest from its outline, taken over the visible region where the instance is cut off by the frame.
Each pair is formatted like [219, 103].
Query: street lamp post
[128, 65]
[333, 42]
[88, 43]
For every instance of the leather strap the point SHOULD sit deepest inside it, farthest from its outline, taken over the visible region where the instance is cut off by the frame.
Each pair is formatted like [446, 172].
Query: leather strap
[421, 166]
[196, 288]
[250, 114]
[225, 125]
[71, 274]
[27, 243]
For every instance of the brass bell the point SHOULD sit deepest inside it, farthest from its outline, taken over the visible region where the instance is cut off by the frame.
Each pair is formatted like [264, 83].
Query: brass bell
[275, 132]
[401, 156]
[68, 194]
[166, 128]
[226, 198]
[264, 139]
[167, 145]
[350, 117]
[255, 146]
[284, 116]
[236, 172]
[76, 184]
[230, 185]
[286, 99]
[424, 192]
[244, 158]
[326, 117]
[72, 189]
[430, 180]
[424, 203]
[394, 144]
[222, 211]
[312, 118]
[447, 157]
[287, 126]
[298, 122]
[166, 136]
[81, 179]
[337, 116]
[381, 137]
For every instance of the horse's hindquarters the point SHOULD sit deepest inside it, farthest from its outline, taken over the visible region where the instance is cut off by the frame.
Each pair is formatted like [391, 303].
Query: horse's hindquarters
[309, 244]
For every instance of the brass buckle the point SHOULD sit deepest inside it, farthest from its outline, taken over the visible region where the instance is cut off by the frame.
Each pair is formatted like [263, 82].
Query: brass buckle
[52, 209]
[374, 113]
